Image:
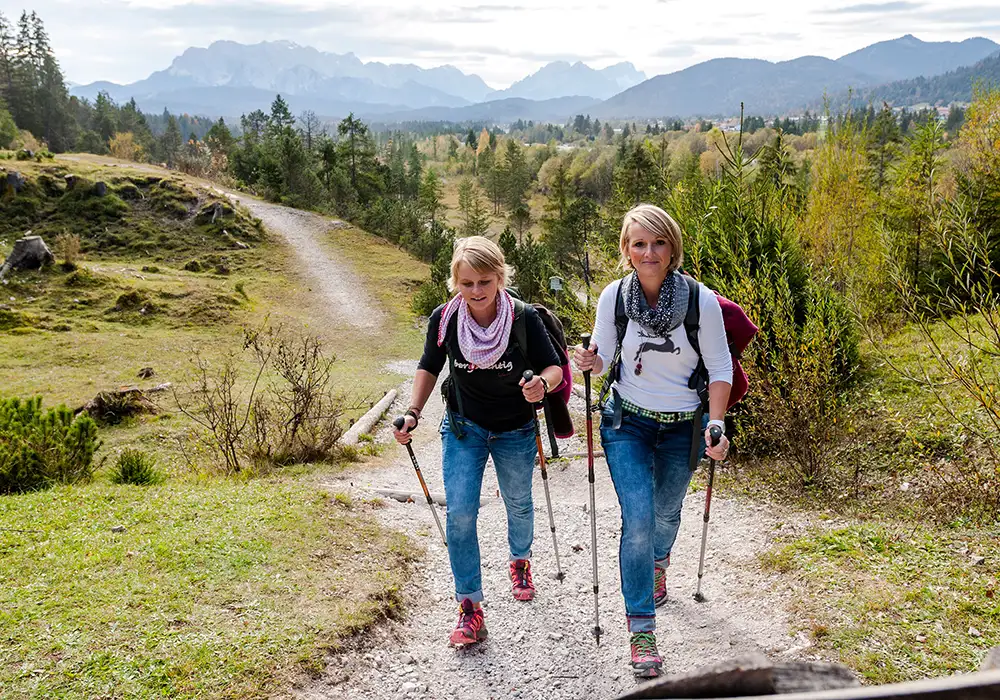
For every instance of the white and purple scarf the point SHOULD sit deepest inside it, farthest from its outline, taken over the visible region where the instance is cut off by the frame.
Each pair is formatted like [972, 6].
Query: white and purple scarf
[482, 347]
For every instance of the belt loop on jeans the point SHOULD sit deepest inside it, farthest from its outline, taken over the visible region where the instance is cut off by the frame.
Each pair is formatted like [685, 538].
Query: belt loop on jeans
[616, 421]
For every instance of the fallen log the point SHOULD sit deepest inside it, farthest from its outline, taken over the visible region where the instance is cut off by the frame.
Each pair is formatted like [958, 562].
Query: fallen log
[743, 678]
[753, 674]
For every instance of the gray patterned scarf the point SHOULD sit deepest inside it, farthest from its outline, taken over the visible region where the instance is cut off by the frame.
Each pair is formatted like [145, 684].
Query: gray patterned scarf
[671, 306]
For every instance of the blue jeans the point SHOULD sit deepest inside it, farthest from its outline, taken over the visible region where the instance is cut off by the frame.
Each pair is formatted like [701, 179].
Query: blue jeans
[650, 468]
[464, 462]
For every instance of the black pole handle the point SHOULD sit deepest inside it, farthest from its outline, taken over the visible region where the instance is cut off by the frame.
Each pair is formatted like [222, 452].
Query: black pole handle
[528, 375]
[585, 340]
[715, 433]
[400, 422]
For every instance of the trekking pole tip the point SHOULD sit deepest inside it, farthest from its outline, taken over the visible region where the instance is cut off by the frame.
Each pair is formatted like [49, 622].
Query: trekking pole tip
[700, 597]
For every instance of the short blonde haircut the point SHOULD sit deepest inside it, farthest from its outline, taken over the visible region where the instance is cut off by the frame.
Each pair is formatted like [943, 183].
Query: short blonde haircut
[660, 224]
[483, 256]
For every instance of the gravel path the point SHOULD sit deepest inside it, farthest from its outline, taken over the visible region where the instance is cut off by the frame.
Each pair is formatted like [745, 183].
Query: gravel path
[544, 649]
[334, 281]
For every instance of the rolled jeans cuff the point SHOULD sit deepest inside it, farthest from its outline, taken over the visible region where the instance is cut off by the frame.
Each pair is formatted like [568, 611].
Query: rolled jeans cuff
[475, 597]
[663, 563]
[641, 623]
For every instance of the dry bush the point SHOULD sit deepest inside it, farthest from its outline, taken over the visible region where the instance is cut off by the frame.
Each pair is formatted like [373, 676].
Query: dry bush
[68, 249]
[260, 424]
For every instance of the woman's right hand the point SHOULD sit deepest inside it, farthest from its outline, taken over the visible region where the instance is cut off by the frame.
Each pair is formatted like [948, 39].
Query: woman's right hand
[403, 435]
[584, 358]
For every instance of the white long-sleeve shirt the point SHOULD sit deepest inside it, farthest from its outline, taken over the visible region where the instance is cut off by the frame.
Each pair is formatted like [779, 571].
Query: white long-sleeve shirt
[667, 363]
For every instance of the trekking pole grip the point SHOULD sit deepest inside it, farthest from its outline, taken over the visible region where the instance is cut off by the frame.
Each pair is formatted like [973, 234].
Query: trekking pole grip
[528, 375]
[400, 422]
[715, 433]
[585, 340]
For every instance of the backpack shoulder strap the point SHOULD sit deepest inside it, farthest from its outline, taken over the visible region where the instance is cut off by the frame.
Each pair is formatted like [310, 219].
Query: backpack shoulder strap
[621, 326]
[520, 329]
[692, 320]
[621, 318]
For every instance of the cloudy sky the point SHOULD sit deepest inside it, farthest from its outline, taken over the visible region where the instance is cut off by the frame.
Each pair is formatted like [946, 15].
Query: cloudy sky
[126, 40]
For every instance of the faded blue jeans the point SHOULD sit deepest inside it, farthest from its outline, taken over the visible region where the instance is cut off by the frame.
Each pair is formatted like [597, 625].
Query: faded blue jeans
[650, 468]
[464, 462]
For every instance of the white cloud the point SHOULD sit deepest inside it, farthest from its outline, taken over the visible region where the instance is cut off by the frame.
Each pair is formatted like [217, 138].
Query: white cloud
[126, 40]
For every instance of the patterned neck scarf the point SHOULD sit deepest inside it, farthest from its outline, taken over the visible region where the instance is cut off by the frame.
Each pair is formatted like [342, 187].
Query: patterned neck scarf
[671, 305]
[482, 347]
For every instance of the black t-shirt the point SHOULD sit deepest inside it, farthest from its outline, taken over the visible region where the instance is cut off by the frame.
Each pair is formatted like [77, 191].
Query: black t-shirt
[491, 396]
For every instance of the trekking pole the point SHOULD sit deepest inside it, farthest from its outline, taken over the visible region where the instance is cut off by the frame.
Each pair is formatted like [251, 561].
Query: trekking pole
[715, 432]
[399, 423]
[585, 338]
[528, 376]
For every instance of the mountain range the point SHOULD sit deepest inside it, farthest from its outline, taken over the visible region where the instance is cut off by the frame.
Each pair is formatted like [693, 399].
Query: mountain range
[228, 79]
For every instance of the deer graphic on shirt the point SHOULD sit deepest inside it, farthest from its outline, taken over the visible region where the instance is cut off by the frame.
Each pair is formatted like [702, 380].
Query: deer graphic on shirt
[656, 344]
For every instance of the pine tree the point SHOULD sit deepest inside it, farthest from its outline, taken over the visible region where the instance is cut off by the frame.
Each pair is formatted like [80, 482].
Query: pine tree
[170, 142]
[414, 171]
[430, 196]
[281, 115]
[475, 218]
[883, 148]
[508, 244]
[518, 178]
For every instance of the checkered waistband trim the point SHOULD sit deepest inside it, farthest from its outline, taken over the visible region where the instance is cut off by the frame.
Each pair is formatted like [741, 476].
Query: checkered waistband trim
[664, 417]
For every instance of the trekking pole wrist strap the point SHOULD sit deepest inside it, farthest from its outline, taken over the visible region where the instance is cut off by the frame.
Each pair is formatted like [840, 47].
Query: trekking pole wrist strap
[415, 413]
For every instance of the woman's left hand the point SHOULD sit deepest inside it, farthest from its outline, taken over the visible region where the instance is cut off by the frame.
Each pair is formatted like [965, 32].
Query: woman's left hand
[534, 391]
[718, 452]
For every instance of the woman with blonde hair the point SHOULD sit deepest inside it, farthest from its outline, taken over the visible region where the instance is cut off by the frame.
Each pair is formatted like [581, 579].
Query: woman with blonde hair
[489, 413]
[650, 423]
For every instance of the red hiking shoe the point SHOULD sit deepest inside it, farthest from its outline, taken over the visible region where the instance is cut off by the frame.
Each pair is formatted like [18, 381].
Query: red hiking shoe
[471, 627]
[520, 580]
[660, 583]
[646, 661]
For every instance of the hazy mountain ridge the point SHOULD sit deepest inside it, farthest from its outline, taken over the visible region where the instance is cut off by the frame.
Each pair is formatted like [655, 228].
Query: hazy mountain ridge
[228, 79]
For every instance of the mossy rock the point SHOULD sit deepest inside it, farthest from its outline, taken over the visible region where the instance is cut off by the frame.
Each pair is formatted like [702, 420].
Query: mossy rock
[129, 192]
[82, 278]
[14, 321]
[193, 266]
[131, 301]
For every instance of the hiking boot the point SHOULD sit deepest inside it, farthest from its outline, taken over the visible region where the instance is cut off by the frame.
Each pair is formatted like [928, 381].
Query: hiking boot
[660, 583]
[520, 580]
[646, 661]
[471, 627]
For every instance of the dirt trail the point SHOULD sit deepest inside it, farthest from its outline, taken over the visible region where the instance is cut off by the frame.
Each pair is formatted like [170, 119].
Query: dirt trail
[345, 297]
[544, 649]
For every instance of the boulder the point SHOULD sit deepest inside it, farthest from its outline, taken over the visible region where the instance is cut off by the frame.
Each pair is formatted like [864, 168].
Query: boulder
[71, 181]
[16, 181]
[30, 253]
[100, 189]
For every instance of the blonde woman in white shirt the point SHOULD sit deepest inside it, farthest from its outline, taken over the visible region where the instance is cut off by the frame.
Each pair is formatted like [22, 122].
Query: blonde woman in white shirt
[647, 425]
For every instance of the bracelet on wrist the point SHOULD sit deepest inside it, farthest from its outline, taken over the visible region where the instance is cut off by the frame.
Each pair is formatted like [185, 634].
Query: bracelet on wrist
[545, 382]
